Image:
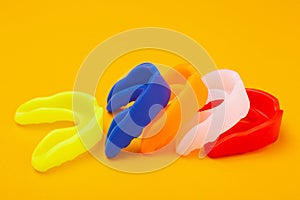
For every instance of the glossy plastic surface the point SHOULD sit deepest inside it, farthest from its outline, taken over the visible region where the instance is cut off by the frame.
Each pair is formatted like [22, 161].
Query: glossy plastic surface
[258, 129]
[151, 94]
[223, 85]
[166, 125]
[62, 145]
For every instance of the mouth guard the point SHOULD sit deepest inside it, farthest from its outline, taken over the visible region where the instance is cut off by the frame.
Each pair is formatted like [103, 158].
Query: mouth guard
[258, 129]
[234, 106]
[180, 108]
[62, 145]
[151, 94]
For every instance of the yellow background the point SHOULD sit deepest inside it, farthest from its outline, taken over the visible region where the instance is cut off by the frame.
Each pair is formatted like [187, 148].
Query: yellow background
[43, 43]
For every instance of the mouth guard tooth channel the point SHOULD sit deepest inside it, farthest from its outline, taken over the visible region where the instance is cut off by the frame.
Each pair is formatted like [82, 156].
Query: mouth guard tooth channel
[180, 109]
[234, 107]
[62, 145]
[258, 129]
[247, 124]
[151, 94]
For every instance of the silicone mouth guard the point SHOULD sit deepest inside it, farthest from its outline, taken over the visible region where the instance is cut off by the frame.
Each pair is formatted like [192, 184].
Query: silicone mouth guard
[65, 144]
[151, 94]
[258, 129]
[224, 85]
[181, 107]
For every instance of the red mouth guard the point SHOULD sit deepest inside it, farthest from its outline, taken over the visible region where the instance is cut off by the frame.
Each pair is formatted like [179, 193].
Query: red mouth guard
[258, 129]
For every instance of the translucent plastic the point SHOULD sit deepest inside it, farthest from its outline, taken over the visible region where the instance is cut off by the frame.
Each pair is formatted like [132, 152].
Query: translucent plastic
[62, 145]
[215, 121]
[189, 94]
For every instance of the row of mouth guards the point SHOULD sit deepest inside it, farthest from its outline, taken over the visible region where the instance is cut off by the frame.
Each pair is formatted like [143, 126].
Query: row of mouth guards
[213, 113]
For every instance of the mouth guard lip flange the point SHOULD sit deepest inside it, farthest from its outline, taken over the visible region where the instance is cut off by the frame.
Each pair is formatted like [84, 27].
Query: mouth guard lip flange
[234, 107]
[258, 129]
[62, 145]
[153, 93]
[192, 81]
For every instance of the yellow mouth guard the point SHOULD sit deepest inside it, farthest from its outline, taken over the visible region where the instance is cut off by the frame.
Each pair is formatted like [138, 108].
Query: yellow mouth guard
[65, 144]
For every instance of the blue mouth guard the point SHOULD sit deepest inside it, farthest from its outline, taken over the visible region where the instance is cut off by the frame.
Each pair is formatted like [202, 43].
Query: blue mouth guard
[151, 93]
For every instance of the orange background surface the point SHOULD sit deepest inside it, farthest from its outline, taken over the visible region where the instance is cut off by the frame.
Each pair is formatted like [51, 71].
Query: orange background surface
[43, 44]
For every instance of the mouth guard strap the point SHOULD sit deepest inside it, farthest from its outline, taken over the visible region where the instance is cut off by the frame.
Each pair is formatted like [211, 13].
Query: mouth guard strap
[193, 87]
[62, 145]
[152, 97]
[258, 129]
[219, 119]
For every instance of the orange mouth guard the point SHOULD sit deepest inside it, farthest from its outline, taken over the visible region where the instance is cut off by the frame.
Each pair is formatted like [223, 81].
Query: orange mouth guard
[186, 85]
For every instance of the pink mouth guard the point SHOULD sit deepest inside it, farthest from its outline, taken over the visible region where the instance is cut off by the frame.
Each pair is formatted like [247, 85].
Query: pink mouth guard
[224, 86]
